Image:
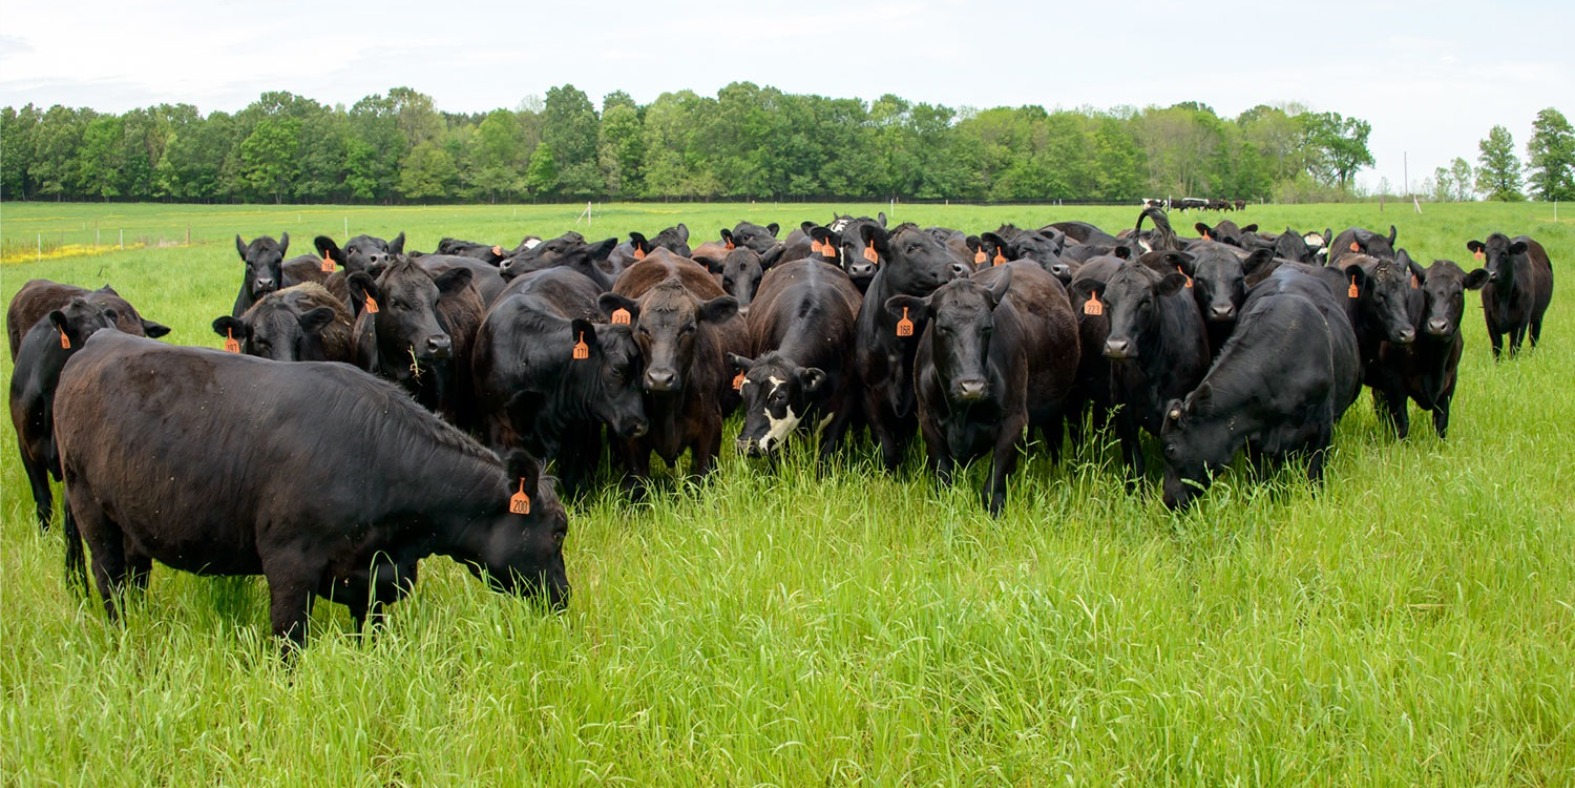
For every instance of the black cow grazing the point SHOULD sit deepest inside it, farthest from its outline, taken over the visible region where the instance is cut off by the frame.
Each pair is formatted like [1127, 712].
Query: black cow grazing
[548, 377]
[1519, 287]
[568, 250]
[39, 297]
[1157, 347]
[415, 329]
[884, 345]
[684, 325]
[1426, 369]
[1277, 389]
[996, 361]
[265, 270]
[212, 491]
[1219, 276]
[1358, 240]
[301, 323]
[799, 375]
[1226, 232]
[44, 351]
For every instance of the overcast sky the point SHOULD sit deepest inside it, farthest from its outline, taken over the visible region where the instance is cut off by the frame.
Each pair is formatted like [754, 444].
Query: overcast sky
[1431, 77]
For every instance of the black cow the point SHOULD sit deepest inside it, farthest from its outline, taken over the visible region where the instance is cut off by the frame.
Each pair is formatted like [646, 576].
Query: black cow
[738, 273]
[547, 377]
[1091, 395]
[415, 329]
[484, 278]
[217, 486]
[568, 250]
[1519, 287]
[1425, 370]
[1219, 285]
[39, 297]
[1157, 348]
[995, 362]
[44, 351]
[1359, 240]
[684, 325]
[674, 239]
[851, 250]
[265, 270]
[1276, 389]
[301, 323]
[800, 371]
[883, 354]
[363, 253]
[1384, 308]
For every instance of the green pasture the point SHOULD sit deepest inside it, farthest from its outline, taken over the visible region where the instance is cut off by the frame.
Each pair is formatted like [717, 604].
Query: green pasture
[1412, 622]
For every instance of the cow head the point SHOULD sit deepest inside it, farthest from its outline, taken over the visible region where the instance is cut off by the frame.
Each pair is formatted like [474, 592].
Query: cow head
[1196, 448]
[741, 272]
[1219, 279]
[1132, 303]
[916, 263]
[277, 328]
[363, 253]
[79, 319]
[1383, 295]
[666, 323]
[264, 259]
[127, 318]
[409, 334]
[616, 396]
[754, 236]
[674, 239]
[1501, 257]
[961, 316]
[568, 250]
[1443, 287]
[521, 553]
[777, 394]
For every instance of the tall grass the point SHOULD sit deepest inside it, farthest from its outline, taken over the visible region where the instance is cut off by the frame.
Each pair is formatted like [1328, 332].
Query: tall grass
[1410, 622]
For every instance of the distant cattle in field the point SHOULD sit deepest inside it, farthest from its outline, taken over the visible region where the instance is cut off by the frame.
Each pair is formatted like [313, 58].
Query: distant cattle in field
[387, 484]
[39, 297]
[1425, 371]
[300, 323]
[1518, 290]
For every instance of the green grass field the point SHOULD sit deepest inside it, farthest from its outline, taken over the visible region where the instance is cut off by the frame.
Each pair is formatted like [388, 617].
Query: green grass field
[1412, 622]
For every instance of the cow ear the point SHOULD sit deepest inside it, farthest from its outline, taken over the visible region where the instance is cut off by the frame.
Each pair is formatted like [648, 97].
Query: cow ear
[58, 318]
[1256, 260]
[974, 243]
[154, 330]
[1393, 234]
[877, 238]
[912, 307]
[992, 239]
[1172, 283]
[327, 248]
[453, 280]
[1475, 246]
[602, 250]
[718, 309]
[240, 246]
[1518, 247]
[582, 330]
[771, 257]
[1084, 289]
[1200, 399]
[362, 286]
[1357, 275]
[1476, 279]
[315, 320]
[683, 232]
[1173, 412]
[107, 290]
[881, 218]
[807, 226]
[825, 236]
[639, 243]
[284, 242]
[1122, 251]
[727, 236]
[1251, 228]
[612, 302]
[712, 264]
[1186, 262]
[739, 362]
[811, 379]
[522, 466]
[1205, 231]
[397, 246]
[227, 327]
[773, 228]
[999, 290]
[1417, 271]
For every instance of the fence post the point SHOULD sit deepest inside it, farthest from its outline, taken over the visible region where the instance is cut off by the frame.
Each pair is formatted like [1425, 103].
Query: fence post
[40, 247]
[122, 237]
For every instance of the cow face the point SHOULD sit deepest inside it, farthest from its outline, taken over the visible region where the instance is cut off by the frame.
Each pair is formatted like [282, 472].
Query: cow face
[522, 554]
[1443, 287]
[126, 317]
[406, 320]
[616, 397]
[777, 395]
[1194, 450]
[275, 329]
[363, 253]
[1132, 302]
[674, 239]
[79, 319]
[1039, 246]
[918, 262]
[569, 250]
[961, 317]
[753, 236]
[1501, 257]
[1384, 296]
[1219, 280]
[666, 323]
[264, 259]
[741, 272]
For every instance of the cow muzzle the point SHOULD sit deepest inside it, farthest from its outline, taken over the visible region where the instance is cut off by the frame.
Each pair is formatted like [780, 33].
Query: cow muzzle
[972, 389]
[439, 347]
[1221, 313]
[1438, 327]
[661, 380]
[1119, 349]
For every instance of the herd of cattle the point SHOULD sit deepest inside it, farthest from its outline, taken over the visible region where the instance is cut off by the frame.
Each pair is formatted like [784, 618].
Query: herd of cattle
[552, 350]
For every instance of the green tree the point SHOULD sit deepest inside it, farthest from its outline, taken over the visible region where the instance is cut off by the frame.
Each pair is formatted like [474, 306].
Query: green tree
[541, 177]
[620, 145]
[269, 157]
[100, 159]
[18, 130]
[570, 127]
[373, 149]
[1461, 178]
[1498, 171]
[498, 159]
[1550, 157]
[1336, 147]
[428, 173]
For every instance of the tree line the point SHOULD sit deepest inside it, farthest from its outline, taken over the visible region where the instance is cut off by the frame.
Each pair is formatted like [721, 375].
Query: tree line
[1550, 165]
[747, 142]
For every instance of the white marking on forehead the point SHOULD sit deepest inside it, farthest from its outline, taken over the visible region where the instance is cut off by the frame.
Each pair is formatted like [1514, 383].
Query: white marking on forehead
[1313, 239]
[776, 382]
[532, 243]
[838, 225]
[780, 429]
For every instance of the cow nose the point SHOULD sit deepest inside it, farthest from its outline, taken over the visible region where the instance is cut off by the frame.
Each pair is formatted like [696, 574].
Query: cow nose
[659, 380]
[743, 311]
[1060, 272]
[971, 389]
[264, 284]
[1222, 312]
[1407, 335]
[861, 269]
[638, 430]
[439, 346]
[748, 448]
[1438, 326]
[960, 270]
[1118, 348]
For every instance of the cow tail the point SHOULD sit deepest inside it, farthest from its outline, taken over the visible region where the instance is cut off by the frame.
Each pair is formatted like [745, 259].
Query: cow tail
[76, 558]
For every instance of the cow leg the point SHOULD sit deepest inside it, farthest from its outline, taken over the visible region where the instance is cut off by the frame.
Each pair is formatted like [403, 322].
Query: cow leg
[1536, 331]
[1497, 340]
[707, 445]
[38, 479]
[636, 460]
[831, 438]
[1007, 444]
[138, 568]
[290, 590]
[107, 542]
[1131, 446]
[1052, 431]
[1391, 405]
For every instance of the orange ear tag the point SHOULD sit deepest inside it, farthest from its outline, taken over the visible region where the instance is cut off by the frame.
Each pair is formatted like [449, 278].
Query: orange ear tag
[370, 306]
[1092, 305]
[639, 254]
[1415, 283]
[1479, 255]
[230, 345]
[904, 326]
[829, 249]
[870, 255]
[1356, 247]
[497, 251]
[65, 341]
[328, 265]
[999, 258]
[620, 317]
[814, 247]
[979, 257]
[582, 351]
[1352, 292]
[738, 381]
[519, 503]
[730, 246]
[1184, 273]
[1206, 236]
